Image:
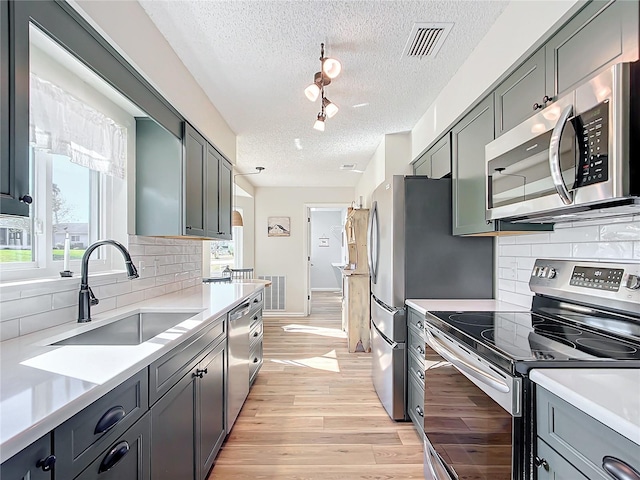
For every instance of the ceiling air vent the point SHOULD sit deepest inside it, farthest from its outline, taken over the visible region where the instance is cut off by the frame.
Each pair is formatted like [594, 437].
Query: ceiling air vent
[348, 166]
[426, 39]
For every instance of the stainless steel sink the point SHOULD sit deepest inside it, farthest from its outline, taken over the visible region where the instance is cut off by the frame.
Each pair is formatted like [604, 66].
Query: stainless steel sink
[132, 330]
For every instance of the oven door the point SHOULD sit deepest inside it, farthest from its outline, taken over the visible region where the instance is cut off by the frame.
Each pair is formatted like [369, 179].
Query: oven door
[471, 411]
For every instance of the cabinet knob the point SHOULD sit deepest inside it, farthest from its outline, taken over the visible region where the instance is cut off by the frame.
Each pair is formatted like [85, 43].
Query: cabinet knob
[255, 334]
[200, 373]
[537, 106]
[419, 411]
[541, 462]
[546, 99]
[255, 360]
[420, 349]
[28, 199]
[420, 325]
[188, 227]
[46, 463]
[221, 233]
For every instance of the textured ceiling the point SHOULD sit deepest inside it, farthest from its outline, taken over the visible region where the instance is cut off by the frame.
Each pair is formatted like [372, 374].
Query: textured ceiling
[254, 59]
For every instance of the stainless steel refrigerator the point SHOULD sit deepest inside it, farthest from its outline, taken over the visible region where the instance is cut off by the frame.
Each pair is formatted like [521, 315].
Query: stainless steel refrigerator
[412, 254]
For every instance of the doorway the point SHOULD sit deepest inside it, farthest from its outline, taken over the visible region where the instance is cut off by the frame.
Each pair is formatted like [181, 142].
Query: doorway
[326, 252]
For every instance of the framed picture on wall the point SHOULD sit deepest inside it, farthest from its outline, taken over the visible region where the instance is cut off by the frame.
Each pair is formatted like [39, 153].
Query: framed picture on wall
[278, 226]
[323, 242]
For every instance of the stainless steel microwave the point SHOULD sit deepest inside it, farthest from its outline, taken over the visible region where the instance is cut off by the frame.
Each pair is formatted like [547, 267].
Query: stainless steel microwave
[576, 159]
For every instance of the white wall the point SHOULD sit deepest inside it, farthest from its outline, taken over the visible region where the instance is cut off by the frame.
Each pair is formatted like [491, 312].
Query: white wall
[613, 240]
[326, 224]
[247, 205]
[285, 255]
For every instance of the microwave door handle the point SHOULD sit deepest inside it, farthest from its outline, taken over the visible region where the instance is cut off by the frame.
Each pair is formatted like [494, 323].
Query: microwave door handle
[464, 366]
[373, 239]
[554, 156]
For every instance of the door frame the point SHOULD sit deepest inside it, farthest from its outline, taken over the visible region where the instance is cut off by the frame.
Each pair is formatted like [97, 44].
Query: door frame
[307, 249]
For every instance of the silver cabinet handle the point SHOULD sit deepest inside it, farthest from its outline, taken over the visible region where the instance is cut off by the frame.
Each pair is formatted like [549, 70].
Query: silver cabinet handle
[419, 349]
[618, 469]
[419, 325]
[554, 157]
[419, 411]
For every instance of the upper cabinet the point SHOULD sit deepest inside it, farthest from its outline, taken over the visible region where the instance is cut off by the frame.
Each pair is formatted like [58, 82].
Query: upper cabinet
[600, 35]
[182, 189]
[435, 162]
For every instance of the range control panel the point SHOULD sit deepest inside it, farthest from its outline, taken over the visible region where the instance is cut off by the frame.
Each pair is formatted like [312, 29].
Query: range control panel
[598, 278]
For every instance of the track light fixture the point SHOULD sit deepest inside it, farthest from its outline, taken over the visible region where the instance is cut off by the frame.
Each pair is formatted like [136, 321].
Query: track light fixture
[329, 69]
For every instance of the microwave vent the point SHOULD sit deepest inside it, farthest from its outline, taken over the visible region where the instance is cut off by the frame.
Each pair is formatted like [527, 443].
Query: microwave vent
[426, 39]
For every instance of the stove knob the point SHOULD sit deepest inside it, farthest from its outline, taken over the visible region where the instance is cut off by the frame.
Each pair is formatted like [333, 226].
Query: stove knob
[633, 282]
[551, 272]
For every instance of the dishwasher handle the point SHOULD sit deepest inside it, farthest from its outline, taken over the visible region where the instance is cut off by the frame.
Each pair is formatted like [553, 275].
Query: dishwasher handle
[239, 312]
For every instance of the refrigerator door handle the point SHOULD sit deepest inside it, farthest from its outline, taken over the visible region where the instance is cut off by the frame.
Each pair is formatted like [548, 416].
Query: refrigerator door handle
[372, 244]
[392, 344]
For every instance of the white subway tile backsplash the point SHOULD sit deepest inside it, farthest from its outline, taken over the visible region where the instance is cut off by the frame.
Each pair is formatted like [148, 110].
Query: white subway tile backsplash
[507, 273]
[155, 292]
[551, 250]
[532, 238]
[53, 318]
[507, 285]
[176, 267]
[577, 234]
[515, 250]
[507, 240]
[105, 305]
[65, 299]
[604, 250]
[9, 329]
[129, 298]
[507, 262]
[155, 249]
[636, 250]
[143, 283]
[523, 288]
[524, 275]
[516, 298]
[21, 308]
[525, 263]
[113, 290]
[620, 231]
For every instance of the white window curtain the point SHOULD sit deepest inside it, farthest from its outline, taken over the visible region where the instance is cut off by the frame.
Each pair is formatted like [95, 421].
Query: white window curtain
[61, 124]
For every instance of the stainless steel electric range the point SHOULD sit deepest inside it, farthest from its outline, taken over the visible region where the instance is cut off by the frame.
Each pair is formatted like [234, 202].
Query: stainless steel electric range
[478, 398]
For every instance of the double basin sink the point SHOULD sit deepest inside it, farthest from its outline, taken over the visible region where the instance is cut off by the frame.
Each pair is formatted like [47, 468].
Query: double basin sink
[133, 329]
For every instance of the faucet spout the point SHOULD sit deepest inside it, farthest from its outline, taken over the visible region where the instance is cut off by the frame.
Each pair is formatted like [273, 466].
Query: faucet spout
[86, 297]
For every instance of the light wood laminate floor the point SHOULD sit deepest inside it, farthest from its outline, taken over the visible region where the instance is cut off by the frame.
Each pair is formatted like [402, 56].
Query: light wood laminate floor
[313, 414]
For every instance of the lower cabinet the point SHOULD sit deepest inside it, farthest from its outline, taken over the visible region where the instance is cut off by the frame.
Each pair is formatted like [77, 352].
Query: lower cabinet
[187, 423]
[33, 463]
[552, 466]
[126, 458]
[415, 369]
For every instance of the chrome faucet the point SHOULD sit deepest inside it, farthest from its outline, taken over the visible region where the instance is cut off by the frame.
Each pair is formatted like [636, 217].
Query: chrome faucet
[87, 298]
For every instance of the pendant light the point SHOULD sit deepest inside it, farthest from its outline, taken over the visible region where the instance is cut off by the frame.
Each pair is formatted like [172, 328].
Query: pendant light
[236, 218]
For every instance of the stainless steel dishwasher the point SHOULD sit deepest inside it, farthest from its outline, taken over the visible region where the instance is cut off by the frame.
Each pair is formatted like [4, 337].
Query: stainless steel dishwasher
[237, 361]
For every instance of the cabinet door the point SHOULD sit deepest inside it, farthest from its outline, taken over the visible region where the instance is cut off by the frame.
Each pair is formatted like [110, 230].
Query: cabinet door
[515, 97]
[173, 432]
[126, 458]
[14, 159]
[423, 165]
[602, 34]
[210, 418]
[225, 193]
[468, 140]
[195, 157]
[212, 204]
[441, 158]
[551, 466]
[24, 465]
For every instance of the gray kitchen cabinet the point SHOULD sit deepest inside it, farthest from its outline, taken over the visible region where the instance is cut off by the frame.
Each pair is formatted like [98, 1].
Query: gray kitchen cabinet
[415, 369]
[521, 94]
[600, 35]
[187, 423]
[35, 462]
[468, 139]
[435, 162]
[183, 188]
[581, 440]
[126, 458]
[79, 440]
[550, 465]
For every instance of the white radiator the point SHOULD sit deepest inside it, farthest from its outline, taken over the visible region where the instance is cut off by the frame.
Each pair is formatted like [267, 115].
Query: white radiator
[274, 295]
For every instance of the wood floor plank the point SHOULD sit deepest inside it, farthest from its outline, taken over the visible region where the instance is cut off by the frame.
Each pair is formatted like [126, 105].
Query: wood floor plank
[313, 414]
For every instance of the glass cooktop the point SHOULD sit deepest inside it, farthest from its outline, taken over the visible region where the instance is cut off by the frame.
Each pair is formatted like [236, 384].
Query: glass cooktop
[512, 337]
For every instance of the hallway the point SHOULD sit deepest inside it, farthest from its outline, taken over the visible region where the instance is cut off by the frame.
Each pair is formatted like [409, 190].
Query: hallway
[313, 414]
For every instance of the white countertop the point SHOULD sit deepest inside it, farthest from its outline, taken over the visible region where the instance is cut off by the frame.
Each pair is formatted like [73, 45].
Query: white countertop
[41, 386]
[455, 305]
[611, 396]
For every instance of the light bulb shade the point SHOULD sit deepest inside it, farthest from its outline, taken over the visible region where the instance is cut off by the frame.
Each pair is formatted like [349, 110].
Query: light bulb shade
[331, 67]
[236, 219]
[330, 108]
[319, 125]
[312, 92]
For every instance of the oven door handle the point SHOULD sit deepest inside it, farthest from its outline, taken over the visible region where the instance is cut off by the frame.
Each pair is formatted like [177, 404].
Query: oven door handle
[464, 366]
[554, 156]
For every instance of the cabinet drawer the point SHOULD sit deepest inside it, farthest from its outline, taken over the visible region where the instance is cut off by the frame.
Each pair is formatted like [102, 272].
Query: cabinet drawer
[416, 369]
[415, 344]
[24, 465]
[80, 439]
[125, 458]
[168, 369]
[579, 438]
[415, 405]
[256, 334]
[255, 361]
[256, 318]
[556, 467]
[257, 302]
[415, 321]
